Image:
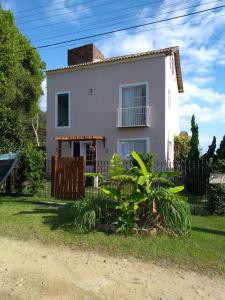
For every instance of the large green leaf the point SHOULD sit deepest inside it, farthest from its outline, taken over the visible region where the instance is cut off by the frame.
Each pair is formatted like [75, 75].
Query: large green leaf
[176, 189]
[140, 163]
[142, 180]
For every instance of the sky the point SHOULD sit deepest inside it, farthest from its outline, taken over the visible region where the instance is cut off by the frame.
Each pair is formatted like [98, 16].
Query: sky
[201, 38]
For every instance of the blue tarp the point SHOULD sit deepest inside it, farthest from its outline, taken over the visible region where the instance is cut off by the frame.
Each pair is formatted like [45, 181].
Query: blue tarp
[7, 164]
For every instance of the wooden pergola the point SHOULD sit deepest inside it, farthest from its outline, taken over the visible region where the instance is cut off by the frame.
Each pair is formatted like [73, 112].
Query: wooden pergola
[80, 138]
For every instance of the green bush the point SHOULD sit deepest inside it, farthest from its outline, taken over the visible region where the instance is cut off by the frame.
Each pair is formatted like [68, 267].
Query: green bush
[216, 199]
[218, 166]
[90, 211]
[31, 168]
[174, 212]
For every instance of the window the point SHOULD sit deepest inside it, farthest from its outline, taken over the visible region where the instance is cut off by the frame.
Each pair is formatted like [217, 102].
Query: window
[126, 146]
[62, 110]
[133, 106]
[169, 99]
[172, 64]
[170, 150]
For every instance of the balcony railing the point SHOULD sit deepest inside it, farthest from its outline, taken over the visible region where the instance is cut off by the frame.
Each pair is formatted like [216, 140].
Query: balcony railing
[133, 116]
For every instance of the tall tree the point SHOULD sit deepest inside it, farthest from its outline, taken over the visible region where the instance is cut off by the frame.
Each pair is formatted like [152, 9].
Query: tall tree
[221, 150]
[211, 150]
[194, 142]
[21, 75]
[181, 146]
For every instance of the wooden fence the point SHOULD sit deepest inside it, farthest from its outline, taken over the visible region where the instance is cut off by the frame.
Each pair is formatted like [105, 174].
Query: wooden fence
[67, 177]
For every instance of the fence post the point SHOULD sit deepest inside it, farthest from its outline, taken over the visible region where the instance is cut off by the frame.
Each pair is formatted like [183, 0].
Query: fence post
[53, 166]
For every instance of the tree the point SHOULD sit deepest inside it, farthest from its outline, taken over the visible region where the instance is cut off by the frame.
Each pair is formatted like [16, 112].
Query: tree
[221, 150]
[181, 146]
[211, 150]
[21, 75]
[193, 154]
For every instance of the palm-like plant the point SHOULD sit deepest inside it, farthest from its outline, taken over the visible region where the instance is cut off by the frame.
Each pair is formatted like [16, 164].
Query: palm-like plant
[144, 190]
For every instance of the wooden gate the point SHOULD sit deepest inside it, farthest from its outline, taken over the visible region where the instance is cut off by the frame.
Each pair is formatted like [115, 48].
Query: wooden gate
[67, 177]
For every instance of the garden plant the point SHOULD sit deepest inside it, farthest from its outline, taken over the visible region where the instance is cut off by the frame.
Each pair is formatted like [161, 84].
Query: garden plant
[137, 200]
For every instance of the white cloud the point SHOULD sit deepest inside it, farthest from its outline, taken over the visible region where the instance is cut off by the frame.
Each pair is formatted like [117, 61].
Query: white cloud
[201, 43]
[8, 5]
[43, 99]
[68, 11]
[203, 114]
[195, 93]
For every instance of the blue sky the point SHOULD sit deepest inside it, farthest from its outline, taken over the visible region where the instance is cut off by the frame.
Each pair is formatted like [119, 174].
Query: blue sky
[201, 39]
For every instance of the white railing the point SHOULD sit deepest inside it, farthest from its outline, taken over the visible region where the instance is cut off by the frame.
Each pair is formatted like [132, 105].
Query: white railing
[133, 116]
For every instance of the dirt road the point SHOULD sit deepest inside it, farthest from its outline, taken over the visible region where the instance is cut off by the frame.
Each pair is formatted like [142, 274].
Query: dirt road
[30, 270]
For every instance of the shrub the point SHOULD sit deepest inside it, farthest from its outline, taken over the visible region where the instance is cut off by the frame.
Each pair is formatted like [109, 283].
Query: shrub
[216, 199]
[216, 192]
[32, 169]
[218, 166]
[90, 211]
[174, 212]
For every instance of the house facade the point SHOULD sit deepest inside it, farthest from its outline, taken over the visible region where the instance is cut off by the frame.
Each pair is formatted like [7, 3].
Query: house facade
[127, 103]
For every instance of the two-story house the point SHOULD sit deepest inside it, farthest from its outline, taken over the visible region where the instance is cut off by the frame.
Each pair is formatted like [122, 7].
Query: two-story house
[97, 106]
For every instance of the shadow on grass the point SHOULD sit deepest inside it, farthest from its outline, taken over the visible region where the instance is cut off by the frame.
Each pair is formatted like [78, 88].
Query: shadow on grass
[56, 217]
[208, 230]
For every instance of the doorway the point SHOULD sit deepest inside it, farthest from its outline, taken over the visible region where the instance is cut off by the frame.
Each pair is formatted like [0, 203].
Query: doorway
[84, 149]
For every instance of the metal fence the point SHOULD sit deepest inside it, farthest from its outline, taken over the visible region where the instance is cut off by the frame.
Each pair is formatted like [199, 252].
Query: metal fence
[193, 175]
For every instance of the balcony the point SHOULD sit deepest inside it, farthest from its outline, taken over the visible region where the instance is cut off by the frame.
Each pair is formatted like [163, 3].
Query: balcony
[133, 116]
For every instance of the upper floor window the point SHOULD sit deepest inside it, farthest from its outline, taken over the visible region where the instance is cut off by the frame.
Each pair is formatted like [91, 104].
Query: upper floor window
[62, 109]
[133, 110]
[172, 64]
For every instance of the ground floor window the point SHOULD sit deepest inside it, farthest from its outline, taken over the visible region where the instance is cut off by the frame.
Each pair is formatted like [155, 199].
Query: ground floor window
[170, 150]
[126, 146]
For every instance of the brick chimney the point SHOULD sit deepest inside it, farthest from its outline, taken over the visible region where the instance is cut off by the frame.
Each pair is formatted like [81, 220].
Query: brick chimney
[84, 54]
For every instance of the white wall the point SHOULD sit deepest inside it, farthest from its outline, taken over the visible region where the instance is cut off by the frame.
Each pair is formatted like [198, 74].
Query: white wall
[96, 114]
[172, 126]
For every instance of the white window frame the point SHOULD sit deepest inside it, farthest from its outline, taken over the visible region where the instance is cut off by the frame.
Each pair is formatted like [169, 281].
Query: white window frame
[121, 86]
[169, 99]
[172, 65]
[134, 139]
[56, 109]
[169, 142]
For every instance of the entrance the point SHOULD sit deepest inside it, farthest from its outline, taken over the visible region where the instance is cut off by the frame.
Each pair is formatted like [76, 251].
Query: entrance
[84, 149]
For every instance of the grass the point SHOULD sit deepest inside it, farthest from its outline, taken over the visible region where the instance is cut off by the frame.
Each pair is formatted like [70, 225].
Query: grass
[202, 250]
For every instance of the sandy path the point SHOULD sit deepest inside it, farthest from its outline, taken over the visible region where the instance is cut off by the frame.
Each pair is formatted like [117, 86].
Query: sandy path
[29, 270]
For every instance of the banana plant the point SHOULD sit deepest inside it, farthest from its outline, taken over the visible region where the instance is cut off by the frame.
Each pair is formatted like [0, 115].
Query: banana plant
[135, 187]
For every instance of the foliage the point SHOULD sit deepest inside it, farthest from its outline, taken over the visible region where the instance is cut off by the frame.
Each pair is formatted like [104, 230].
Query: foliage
[216, 192]
[21, 75]
[210, 154]
[141, 191]
[221, 150]
[12, 133]
[181, 147]
[32, 169]
[89, 211]
[147, 158]
[216, 199]
[174, 212]
[193, 154]
[218, 166]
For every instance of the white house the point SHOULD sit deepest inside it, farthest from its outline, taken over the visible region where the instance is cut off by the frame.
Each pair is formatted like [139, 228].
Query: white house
[97, 106]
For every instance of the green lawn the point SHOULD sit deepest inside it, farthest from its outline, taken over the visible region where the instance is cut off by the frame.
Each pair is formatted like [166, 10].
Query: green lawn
[202, 250]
